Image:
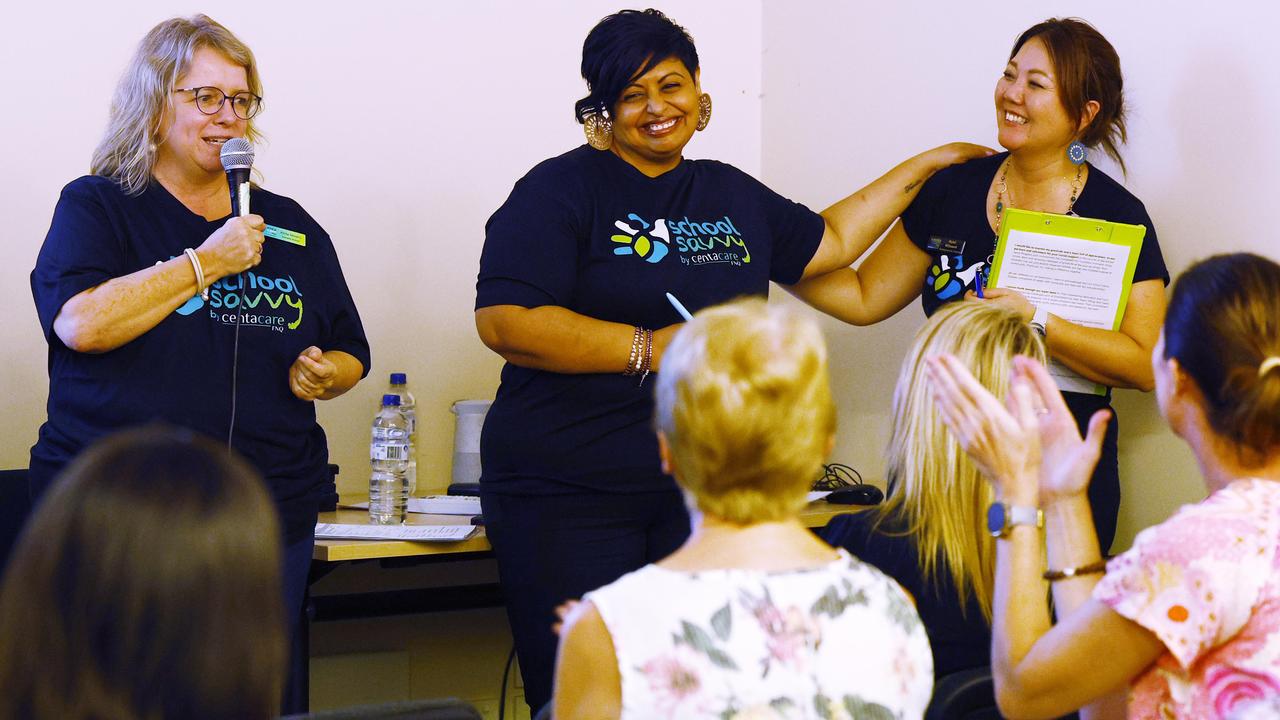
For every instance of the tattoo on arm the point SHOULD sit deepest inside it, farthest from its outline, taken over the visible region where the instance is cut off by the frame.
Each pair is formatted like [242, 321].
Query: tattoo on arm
[914, 184]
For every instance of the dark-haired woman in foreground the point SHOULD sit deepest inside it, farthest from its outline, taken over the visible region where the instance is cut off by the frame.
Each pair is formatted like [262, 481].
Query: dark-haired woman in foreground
[1060, 96]
[571, 292]
[1189, 617]
[146, 587]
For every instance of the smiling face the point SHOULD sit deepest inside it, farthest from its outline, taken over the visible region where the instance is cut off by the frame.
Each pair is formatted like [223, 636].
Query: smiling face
[190, 141]
[655, 117]
[1029, 111]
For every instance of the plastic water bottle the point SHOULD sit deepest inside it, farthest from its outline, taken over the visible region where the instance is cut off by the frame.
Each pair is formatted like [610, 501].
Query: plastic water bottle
[388, 454]
[409, 408]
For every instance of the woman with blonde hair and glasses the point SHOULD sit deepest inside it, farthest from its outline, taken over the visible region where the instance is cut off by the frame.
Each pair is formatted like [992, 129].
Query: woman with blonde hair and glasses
[752, 616]
[931, 533]
[158, 305]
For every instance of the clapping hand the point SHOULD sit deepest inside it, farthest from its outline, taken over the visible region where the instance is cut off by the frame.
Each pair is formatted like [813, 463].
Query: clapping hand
[1028, 446]
[1003, 440]
[1067, 459]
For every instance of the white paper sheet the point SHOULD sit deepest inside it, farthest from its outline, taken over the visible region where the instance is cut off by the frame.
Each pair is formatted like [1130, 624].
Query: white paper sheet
[1077, 280]
[412, 533]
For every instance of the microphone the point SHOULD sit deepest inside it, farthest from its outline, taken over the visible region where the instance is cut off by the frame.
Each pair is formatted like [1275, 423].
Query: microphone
[237, 158]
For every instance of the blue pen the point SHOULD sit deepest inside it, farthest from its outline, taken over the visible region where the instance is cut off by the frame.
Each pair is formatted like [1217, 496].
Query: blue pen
[679, 308]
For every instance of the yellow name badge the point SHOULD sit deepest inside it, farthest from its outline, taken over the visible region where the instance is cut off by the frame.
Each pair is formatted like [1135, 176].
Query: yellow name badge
[288, 236]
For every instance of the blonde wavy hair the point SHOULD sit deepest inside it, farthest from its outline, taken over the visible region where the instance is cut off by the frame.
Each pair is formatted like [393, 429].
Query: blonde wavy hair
[936, 493]
[744, 401]
[127, 151]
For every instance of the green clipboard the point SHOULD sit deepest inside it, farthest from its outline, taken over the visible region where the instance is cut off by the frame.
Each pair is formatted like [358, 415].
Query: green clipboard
[1074, 228]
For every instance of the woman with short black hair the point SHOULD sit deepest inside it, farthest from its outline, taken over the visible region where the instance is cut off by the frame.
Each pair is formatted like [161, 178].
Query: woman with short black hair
[572, 291]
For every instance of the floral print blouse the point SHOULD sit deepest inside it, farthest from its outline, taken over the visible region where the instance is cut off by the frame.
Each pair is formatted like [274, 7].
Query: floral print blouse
[1206, 582]
[838, 641]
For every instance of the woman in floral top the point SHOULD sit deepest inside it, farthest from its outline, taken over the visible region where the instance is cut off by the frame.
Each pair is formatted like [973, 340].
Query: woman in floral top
[1189, 617]
[753, 617]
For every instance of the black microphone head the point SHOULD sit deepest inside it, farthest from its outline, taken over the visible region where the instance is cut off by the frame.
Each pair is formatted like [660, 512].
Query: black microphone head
[237, 154]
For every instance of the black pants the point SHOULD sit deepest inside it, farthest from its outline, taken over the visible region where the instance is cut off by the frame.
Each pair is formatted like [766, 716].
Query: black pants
[553, 548]
[1104, 487]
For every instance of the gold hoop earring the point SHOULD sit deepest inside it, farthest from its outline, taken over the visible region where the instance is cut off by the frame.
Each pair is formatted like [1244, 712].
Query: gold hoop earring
[704, 111]
[599, 131]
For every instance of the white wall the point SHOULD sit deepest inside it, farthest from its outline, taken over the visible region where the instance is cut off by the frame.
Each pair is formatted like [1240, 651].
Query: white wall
[853, 88]
[460, 99]
[456, 100]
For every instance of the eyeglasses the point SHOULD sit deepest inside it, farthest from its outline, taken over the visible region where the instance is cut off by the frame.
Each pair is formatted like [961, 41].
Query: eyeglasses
[209, 100]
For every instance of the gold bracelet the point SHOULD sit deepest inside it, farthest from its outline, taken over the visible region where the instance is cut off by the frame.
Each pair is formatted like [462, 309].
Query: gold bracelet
[1064, 573]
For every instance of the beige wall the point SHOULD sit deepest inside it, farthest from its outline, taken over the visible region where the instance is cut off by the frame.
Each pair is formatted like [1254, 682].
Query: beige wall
[460, 99]
[850, 88]
[456, 100]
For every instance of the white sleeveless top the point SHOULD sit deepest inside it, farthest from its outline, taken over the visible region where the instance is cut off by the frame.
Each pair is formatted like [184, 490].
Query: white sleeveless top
[842, 637]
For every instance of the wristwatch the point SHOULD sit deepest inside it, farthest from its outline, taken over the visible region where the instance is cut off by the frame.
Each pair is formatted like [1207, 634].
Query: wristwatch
[1001, 517]
[1039, 320]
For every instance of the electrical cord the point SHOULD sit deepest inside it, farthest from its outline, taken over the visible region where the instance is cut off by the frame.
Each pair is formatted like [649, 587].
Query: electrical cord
[235, 361]
[836, 476]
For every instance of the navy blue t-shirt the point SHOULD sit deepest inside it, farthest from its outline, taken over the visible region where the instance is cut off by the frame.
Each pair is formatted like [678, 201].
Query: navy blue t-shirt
[948, 220]
[180, 371]
[589, 232]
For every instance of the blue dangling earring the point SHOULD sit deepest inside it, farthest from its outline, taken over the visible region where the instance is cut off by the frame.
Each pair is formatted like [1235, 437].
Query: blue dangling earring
[1077, 153]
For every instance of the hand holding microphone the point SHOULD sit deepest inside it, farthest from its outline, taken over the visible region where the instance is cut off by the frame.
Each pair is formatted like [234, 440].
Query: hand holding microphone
[234, 247]
[237, 245]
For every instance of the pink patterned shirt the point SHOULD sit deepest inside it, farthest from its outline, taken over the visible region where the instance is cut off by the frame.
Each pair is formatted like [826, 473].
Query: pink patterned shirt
[1206, 582]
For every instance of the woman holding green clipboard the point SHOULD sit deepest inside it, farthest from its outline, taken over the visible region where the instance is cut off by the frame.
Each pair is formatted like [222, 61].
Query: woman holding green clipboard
[1060, 95]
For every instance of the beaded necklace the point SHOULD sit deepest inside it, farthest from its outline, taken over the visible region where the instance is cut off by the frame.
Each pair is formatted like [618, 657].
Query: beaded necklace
[1002, 189]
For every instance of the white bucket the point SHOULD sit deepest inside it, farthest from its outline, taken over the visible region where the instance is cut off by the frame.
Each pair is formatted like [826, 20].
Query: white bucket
[466, 439]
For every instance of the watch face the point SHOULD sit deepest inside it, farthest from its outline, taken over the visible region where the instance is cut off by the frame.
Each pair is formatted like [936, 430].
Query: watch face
[996, 520]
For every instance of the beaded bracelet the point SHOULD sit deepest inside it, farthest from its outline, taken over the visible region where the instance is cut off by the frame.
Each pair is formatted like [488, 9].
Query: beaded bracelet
[636, 359]
[647, 363]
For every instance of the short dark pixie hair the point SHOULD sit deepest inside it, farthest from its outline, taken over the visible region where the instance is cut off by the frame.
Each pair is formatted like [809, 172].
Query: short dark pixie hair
[622, 47]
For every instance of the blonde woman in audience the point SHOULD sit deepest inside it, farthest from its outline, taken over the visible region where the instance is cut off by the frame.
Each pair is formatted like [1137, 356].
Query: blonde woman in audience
[146, 586]
[931, 533]
[753, 615]
[1189, 617]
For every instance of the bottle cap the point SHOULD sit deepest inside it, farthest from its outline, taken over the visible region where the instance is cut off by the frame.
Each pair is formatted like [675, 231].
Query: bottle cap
[390, 399]
[397, 378]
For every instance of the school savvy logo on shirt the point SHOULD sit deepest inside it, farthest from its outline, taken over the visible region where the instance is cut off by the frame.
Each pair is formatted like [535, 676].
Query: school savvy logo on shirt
[274, 302]
[948, 277]
[696, 243]
[271, 302]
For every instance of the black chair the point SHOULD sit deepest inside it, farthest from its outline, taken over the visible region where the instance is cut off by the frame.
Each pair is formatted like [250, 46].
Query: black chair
[15, 506]
[964, 695]
[442, 709]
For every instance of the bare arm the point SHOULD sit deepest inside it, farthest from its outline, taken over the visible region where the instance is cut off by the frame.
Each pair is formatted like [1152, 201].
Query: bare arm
[122, 309]
[1120, 358]
[587, 682]
[886, 281]
[1040, 670]
[555, 338]
[854, 223]
[1043, 672]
